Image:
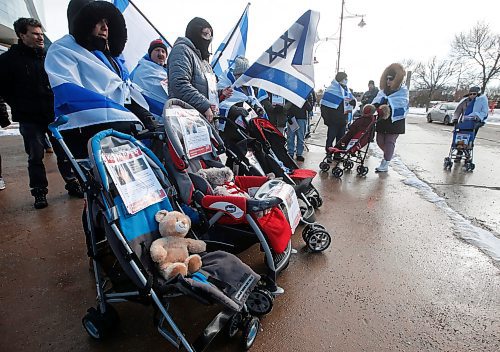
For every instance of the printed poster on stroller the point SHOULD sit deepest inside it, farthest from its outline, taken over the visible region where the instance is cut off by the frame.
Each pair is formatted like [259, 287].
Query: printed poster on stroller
[462, 137]
[287, 194]
[195, 133]
[134, 179]
[351, 144]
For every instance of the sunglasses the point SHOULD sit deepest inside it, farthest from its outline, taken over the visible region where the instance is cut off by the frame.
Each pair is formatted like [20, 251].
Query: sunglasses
[390, 78]
[472, 93]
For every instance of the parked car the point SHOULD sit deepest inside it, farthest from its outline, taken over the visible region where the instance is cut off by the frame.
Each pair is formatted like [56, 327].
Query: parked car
[442, 112]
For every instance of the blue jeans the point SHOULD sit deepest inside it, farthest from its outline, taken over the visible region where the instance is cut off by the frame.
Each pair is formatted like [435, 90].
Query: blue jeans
[290, 138]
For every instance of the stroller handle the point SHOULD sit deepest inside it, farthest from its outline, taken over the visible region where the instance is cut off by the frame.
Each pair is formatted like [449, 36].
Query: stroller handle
[54, 126]
[262, 204]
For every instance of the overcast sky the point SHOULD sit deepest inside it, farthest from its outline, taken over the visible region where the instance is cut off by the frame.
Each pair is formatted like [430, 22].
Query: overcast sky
[395, 29]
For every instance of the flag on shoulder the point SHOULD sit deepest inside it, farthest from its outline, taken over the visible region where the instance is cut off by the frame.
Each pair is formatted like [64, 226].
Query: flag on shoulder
[286, 68]
[140, 33]
[232, 46]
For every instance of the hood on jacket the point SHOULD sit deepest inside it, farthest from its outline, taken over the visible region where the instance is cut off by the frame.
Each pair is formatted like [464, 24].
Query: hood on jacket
[193, 33]
[189, 43]
[83, 15]
[395, 70]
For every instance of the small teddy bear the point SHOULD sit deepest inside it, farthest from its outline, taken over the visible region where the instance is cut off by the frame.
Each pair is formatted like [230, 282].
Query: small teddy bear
[171, 251]
[222, 181]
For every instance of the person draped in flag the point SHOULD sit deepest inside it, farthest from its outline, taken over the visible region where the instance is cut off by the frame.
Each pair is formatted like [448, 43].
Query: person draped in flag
[337, 103]
[90, 83]
[190, 76]
[151, 75]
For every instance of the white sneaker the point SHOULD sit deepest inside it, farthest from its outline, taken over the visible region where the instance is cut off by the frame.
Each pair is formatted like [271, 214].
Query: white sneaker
[2, 184]
[383, 167]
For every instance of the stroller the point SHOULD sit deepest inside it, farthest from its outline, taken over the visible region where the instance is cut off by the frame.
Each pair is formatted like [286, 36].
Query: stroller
[258, 148]
[462, 144]
[351, 149]
[233, 223]
[119, 225]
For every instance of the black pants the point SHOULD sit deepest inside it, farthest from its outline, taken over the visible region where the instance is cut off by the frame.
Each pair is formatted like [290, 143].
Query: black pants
[34, 139]
[336, 130]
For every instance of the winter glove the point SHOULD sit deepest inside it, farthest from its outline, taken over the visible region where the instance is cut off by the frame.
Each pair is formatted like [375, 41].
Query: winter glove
[384, 111]
[259, 111]
[236, 111]
[353, 103]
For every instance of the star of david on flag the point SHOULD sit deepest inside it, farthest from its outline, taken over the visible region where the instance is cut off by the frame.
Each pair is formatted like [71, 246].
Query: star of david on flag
[286, 68]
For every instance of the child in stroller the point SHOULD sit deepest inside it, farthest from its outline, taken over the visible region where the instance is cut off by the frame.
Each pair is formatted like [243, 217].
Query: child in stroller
[119, 226]
[353, 146]
[462, 144]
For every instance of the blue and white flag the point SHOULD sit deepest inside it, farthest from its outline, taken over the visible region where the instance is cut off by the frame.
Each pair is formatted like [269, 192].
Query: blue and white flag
[86, 88]
[398, 101]
[233, 45]
[153, 80]
[286, 68]
[140, 33]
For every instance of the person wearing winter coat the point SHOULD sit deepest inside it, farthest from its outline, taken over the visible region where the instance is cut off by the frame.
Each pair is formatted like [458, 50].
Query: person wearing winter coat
[88, 77]
[300, 115]
[474, 105]
[151, 75]
[370, 94]
[393, 96]
[336, 104]
[275, 109]
[190, 76]
[25, 87]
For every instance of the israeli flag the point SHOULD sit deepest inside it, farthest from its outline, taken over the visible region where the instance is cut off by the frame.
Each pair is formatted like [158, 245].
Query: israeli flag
[286, 68]
[235, 44]
[140, 32]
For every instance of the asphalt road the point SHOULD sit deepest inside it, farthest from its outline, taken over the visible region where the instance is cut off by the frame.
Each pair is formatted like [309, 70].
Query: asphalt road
[396, 278]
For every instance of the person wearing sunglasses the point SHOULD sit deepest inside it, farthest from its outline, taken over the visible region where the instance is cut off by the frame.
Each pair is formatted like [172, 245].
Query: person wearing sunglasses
[392, 101]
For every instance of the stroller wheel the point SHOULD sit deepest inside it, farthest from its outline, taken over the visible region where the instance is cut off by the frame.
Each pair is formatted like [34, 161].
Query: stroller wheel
[316, 201]
[337, 172]
[309, 229]
[99, 325]
[324, 166]
[348, 164]
[250, 331]
[234, 325]
[447, 164]
[362, 170]
[318, 240]
[260, 302]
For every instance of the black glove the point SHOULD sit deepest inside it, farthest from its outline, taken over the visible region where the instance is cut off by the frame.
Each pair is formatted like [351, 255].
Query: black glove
[236, 111]
[353, 103]
[259, 111]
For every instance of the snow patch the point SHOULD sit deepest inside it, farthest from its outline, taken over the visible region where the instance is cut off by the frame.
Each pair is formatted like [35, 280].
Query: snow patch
[10, 132]
[463, 228]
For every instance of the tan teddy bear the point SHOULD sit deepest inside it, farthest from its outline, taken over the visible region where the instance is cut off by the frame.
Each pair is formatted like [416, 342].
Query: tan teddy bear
[171, 251]
[222, 181]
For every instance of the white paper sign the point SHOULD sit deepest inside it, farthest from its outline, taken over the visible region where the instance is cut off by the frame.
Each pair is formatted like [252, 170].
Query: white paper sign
[294, 126]
[277, 100]
[194, 132]
[285, 192]
[134, 179]
[462, 137]
[351, 143]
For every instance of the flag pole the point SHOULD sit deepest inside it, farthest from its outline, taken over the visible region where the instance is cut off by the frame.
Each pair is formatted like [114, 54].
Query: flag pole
[148, 21]
[230, 36]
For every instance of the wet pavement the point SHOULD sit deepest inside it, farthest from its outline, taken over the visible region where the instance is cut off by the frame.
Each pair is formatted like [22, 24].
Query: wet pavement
[396, 277]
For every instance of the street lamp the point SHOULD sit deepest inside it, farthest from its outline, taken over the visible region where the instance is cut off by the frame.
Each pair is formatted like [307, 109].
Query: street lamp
[321, 41]
[361, 24]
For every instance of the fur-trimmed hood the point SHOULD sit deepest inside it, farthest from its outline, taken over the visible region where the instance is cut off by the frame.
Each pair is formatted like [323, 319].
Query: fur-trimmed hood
[397, 71]
[83, 16]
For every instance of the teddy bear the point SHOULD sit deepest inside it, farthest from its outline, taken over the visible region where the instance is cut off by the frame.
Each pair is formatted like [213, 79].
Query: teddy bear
[222, 181]
[171, 251]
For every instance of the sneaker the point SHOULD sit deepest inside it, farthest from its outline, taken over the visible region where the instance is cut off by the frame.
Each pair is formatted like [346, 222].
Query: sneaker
[2, 184]
[383, 167]
[300, 158]
[49, 150]
[74, 189]
[40, 195]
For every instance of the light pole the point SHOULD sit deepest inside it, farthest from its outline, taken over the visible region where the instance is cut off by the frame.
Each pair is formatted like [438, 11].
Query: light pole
[361, 24]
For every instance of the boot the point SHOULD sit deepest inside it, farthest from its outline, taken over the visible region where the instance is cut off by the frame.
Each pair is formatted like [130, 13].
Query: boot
[383, 167]
[74, 189]
[40, 195]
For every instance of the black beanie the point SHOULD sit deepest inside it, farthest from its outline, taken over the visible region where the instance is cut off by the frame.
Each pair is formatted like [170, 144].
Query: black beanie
[340, 76]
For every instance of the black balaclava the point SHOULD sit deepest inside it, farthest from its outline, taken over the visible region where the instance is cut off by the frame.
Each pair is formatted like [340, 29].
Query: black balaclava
[193, 33]
[83, 15]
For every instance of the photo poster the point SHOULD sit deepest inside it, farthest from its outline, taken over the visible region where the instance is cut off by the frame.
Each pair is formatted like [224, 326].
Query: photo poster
[133, 177]
[351, 143]
[462, 137]
[194, 131]
[286, 193]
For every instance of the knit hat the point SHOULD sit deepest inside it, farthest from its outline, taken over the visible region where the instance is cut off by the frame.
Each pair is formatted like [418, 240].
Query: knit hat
[475, 90]
[340, 76]
[157, 43]
[193, 33]
[240, 65]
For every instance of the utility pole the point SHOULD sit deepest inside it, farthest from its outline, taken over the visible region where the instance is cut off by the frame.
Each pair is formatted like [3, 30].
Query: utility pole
[340, 35]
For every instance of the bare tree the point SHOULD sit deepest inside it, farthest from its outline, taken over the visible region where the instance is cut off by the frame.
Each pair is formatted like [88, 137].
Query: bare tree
[480, 47]
[433, 76]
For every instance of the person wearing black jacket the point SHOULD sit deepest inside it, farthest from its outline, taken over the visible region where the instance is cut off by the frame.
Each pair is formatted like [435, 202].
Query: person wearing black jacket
[25, 87]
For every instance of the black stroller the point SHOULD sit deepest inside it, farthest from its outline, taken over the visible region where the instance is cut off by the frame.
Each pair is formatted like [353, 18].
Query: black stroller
[119, 233]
